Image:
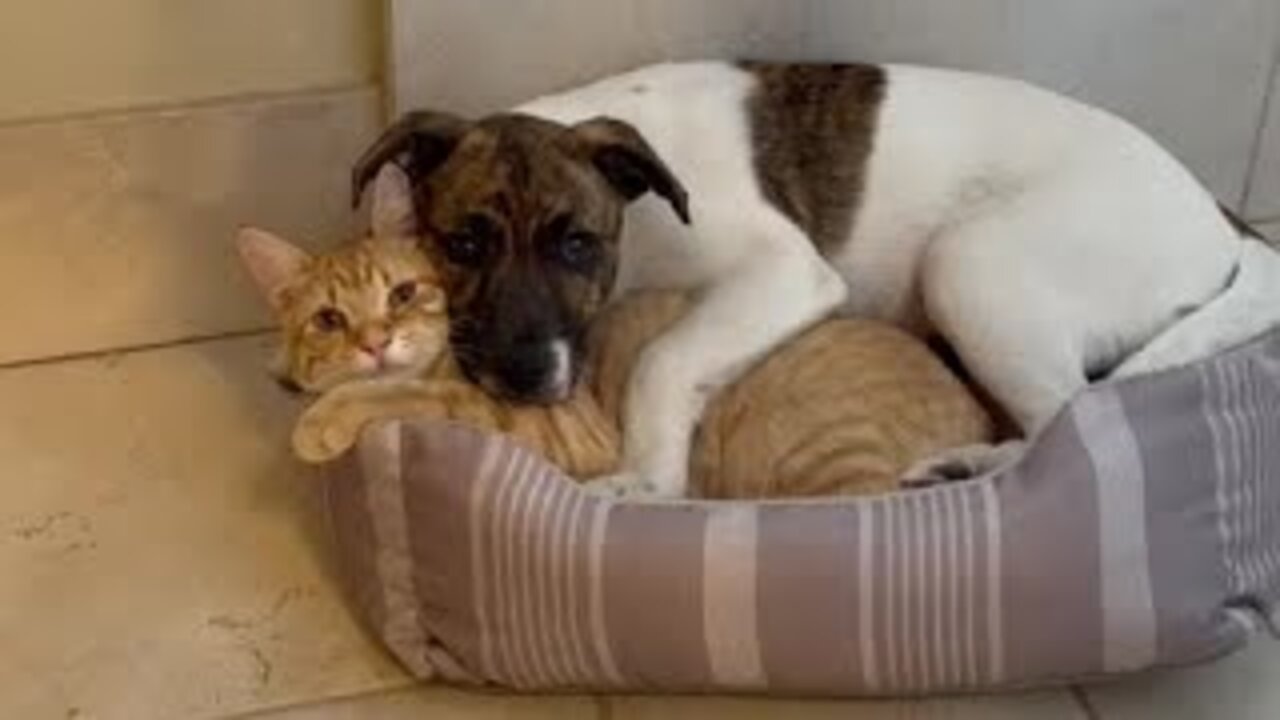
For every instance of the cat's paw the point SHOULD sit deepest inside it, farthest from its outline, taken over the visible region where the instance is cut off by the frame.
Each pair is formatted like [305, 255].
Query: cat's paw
[620, 486]
[318, 441]
[962, 463]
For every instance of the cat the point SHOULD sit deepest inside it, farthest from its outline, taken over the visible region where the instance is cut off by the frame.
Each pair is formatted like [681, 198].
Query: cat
[365, 327]
[846, 408]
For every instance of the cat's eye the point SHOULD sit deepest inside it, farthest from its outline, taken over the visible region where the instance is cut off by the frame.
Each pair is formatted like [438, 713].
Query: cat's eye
[329, 320]
[403, 294]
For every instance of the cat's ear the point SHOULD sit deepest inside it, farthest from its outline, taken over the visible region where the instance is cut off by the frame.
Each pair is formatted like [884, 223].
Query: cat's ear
[392, 213]
[273, 262]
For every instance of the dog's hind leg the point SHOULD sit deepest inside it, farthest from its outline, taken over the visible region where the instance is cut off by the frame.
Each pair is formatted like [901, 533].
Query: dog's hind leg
[1011, 336]
[1067, 276]
[772, 294]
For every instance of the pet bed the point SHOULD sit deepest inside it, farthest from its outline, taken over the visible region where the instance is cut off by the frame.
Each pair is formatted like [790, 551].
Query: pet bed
[1141, 529]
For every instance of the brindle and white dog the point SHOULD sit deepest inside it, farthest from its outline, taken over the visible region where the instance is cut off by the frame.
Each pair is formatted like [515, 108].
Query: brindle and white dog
[1044, 240]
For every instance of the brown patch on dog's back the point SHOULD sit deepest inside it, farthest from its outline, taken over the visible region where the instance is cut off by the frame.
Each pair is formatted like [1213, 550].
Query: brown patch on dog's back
[813, 128]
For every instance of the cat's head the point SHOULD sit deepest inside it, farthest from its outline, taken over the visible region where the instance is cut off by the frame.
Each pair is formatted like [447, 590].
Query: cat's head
[370, 308]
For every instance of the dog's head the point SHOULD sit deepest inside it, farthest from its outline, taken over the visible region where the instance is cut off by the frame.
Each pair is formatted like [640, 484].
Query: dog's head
[524, 215]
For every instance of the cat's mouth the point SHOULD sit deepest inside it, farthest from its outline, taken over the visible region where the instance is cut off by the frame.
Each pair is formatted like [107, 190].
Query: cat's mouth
[396, 362]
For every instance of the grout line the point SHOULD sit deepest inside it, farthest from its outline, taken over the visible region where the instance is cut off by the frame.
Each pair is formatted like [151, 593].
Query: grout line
[1085, 703]
[1259, 137]
[262, 97]
[134, 349]
[358, 696]
[604, 707]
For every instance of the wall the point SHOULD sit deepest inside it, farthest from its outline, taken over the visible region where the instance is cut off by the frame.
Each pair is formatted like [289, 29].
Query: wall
[74, 56]
[1193, 73]
[136, 135]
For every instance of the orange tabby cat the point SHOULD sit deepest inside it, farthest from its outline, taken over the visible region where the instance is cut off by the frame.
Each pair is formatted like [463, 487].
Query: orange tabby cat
[844, 409]
[366, 326]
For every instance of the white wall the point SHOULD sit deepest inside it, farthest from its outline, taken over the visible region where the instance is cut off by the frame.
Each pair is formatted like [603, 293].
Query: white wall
[1264, 194]
[1192, 72]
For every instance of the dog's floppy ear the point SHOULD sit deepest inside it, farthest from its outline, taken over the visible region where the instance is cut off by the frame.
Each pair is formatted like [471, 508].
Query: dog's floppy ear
[630, 165]
[419, 142]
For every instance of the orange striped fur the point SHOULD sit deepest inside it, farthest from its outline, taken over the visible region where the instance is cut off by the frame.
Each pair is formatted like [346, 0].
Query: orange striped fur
[844, 409]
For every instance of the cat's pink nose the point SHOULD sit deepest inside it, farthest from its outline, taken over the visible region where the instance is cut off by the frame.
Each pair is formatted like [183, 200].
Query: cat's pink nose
[375, 343]
[376, 349]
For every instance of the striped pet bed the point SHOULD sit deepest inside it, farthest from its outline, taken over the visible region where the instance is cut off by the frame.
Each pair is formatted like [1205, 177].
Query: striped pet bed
[1142, 529]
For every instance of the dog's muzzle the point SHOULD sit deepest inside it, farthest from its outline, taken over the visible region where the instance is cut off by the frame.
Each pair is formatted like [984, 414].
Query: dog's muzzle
[533, 372]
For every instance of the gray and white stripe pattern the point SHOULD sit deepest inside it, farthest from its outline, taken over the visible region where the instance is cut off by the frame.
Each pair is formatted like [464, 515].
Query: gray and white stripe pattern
[1244, 396]
[1138, 530]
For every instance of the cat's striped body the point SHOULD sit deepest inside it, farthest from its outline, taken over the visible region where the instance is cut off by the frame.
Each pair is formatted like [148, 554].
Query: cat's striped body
[845, 408]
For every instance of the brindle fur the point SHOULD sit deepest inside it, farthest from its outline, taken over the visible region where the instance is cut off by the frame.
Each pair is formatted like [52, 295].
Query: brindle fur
[532, 182]
[813, 127]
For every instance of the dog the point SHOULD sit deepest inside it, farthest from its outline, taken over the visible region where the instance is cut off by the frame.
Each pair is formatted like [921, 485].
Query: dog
[1048, 243]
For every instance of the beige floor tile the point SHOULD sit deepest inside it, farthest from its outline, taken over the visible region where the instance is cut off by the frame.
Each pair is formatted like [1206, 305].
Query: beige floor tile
[117, 230]
[1040, 706]
[1244, 687]
[160, 555]
[441, 704]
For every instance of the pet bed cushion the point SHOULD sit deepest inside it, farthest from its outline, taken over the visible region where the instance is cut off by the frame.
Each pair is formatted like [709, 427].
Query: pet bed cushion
[1141, 529]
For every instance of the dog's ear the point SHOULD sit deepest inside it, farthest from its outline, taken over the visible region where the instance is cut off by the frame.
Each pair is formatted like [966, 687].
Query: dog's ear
[630, 165]
[392, 213]
[419, 142]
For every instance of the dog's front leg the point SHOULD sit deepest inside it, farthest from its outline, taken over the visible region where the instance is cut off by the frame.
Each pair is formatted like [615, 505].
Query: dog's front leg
[737, 321]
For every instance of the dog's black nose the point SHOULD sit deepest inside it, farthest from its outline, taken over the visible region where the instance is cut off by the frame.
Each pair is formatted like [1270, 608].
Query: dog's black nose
[525, 372]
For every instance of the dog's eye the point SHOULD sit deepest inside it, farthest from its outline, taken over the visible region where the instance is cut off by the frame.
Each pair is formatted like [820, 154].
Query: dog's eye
[469, 245]
[577, 250]
[329, 320]
[463, 248]
[403, 294]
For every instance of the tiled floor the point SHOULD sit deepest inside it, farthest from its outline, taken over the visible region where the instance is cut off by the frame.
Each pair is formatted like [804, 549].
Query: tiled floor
[159, 554]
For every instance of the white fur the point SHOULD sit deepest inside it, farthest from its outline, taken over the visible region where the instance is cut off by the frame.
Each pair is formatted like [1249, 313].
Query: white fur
[561, 368]
[1246, 309]
[1041, 237]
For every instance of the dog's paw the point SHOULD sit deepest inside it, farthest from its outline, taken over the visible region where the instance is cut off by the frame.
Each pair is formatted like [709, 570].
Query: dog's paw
[620, 486]
[962, 463]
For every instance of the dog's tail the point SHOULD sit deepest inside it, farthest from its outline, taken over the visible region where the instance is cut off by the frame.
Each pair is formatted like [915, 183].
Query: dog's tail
[1248, 307]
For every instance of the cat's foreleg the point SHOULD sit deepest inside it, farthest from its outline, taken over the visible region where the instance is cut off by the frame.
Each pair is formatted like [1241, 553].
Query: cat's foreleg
[332, 424]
